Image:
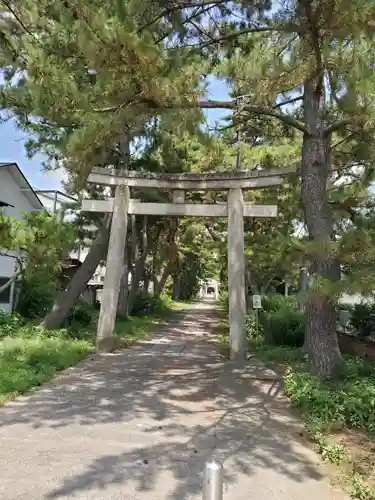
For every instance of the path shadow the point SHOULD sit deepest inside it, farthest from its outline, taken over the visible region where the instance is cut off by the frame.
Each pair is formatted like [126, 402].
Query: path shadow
[182, 404]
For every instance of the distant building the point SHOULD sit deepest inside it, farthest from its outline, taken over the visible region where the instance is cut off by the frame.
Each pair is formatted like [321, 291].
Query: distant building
[209, 289]
[55, 202]
[16, 197]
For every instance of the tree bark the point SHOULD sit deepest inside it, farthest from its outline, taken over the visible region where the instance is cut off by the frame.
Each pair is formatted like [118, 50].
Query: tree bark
[66, 299]
[159, 286]
[176, 290]
[172, 257]
[146, 281]
[320, 334]
[303, 279]
[139, 267]
[122, 306]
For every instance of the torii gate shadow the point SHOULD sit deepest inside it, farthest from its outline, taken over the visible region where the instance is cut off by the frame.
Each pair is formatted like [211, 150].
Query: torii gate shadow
[150, 417]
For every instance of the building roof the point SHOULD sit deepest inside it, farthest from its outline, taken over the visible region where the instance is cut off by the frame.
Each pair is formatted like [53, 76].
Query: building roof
[24, 185]
[61, 197]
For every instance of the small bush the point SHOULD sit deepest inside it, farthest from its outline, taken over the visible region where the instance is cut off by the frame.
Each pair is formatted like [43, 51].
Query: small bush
[142, 304]
[81, 315]
[363, 319]
[145, 304]
[285, 327]
[224, 300]
[276, 354]
[9, 323]
[36, 296]
[274, 303]
[253, 328]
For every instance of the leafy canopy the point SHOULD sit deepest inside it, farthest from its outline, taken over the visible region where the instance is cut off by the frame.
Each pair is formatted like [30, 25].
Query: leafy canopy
[39, 241]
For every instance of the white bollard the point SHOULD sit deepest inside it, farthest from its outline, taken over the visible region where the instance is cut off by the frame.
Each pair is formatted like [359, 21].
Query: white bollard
[213, 480]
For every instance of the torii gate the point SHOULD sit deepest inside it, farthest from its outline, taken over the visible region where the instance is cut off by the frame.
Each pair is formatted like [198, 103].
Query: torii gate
[235, 209]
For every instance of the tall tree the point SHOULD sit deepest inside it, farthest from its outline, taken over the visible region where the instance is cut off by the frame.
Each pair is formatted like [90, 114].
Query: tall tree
[306, 65]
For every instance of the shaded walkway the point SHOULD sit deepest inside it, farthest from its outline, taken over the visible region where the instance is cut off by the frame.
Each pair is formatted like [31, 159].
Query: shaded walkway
[139, 424]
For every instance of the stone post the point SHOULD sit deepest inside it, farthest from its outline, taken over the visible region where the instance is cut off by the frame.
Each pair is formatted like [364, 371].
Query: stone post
[111, 287]
[236, 274]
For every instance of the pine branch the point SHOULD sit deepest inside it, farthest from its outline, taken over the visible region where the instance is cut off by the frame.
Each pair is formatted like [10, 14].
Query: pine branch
[180, 6]
[337, 125]
[18, 19]
[289, 101]
[210, 104]
[257, 110]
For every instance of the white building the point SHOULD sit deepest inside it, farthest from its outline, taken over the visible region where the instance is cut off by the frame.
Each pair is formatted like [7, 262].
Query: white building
[55, 202]
[16, 197]
[209, 289]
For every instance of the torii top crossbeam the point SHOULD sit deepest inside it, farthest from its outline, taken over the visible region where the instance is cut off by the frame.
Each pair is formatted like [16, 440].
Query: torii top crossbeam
[248, 179]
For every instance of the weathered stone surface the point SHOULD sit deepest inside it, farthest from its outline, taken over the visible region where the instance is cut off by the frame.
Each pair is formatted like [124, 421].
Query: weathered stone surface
[179, 209]
[236, 275]
[114, 267]
[251, 179]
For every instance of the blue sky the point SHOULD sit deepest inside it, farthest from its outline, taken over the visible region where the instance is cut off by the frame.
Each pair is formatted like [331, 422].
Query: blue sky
[12, 144]
[12, 149]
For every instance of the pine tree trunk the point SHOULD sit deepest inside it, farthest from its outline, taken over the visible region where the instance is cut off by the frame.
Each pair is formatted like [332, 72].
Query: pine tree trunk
[176, 290]
[320, 334]
[135, 288]
[66, 299]
[172, 259]
[303, 279]
[139, 264]
[159, 286]
[122, 305]
[146, 282]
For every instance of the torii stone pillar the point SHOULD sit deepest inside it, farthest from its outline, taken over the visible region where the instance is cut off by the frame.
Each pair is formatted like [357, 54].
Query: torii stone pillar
[112, 282]
[236, 274]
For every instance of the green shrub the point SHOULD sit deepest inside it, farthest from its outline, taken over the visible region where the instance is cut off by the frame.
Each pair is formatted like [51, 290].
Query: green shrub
[274, 303]
[286, 327]
[81, 314]
[253, 330]
[9, 323]
[224, 300]
[145, 304]
[363, 319]
[348, 401]
[276, 354]
[161, 305]
[37, 295]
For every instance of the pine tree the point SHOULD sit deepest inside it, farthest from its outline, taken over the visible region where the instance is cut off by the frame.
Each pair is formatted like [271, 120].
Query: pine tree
[308, 65]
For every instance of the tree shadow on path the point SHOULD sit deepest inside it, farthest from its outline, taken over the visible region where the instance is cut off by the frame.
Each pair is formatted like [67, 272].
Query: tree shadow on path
[153, 414]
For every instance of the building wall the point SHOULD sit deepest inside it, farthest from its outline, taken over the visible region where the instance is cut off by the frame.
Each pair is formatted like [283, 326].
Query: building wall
[48, 203]
[10, 193]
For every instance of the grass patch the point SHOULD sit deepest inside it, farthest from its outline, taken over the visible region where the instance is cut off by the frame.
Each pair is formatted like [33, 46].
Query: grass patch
[334, 411]
[339, 414]
[26, 363]
[30, 356]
